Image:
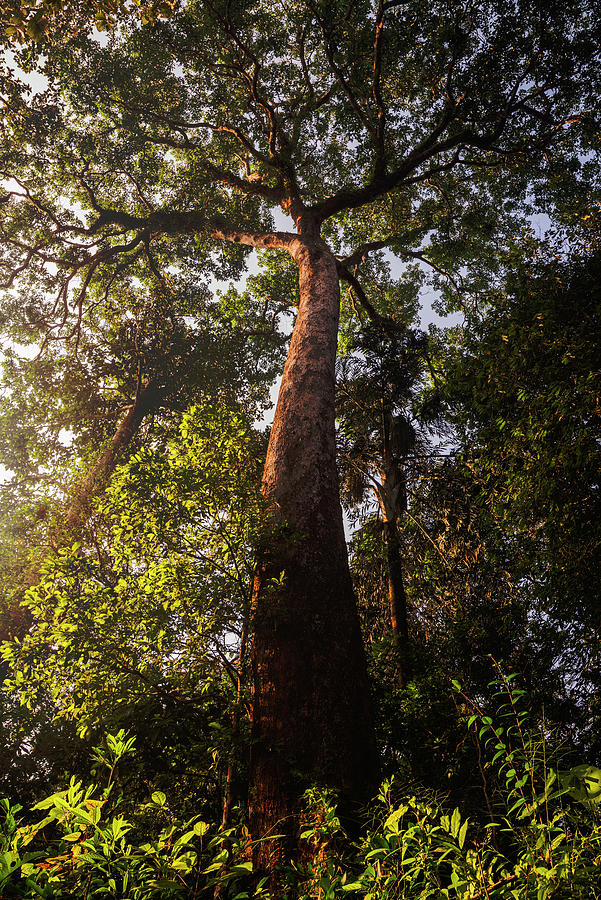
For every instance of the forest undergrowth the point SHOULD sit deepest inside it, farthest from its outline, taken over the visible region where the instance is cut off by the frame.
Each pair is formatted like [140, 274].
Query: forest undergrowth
[540, 838]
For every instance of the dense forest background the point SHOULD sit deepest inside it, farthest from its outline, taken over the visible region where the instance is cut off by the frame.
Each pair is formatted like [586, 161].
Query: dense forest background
[194, 196]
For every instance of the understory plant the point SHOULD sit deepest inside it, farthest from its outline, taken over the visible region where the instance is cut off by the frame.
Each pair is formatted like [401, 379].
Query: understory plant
[542, 838]
[84, 847]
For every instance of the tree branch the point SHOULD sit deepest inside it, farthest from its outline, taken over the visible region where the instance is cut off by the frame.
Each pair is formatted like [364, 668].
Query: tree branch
[363, 118]
[380, 164]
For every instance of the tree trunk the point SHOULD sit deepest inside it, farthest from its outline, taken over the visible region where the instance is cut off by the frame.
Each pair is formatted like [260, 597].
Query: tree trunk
[392, 495]
[397, 599]
[147, 401]
[311, 720]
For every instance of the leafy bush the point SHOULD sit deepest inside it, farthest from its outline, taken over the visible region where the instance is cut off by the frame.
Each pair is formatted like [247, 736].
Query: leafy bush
[542, 840]
[83, 847]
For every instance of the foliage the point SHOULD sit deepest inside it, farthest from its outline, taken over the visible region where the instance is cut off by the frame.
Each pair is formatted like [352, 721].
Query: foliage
[524, 384]
[530, 429]
[44, 21]
[144, 632]
[537, 842]
[426, 141]
[542, 840]
[84, 846]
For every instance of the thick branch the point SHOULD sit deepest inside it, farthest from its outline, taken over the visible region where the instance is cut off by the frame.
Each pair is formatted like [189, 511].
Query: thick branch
[380, 165]
[353, 197]
[193, 221]
[372, 312]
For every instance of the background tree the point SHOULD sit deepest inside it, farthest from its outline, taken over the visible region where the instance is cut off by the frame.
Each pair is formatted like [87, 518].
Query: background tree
[501, 524]
[143, 633]
[378, 451]
[526, 380]
[225, 356]
[67, 422]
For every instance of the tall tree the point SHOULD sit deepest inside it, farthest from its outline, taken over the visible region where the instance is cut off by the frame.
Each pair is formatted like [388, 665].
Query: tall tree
[68, 420]
[169, 148]
[378, 444]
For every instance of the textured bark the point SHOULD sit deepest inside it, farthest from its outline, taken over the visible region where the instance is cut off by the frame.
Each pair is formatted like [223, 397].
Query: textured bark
[311, 717]
[147, 401]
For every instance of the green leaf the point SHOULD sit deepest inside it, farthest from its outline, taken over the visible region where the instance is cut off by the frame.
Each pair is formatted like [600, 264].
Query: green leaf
[243, 868]
[455, 822]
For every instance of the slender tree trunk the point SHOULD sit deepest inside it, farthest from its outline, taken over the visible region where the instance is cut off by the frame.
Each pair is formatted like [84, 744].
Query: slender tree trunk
[221, 889]
[16, 619]
[397, 599]
[393, 502]
[147, 401]
[311, 720]
[236, 719]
